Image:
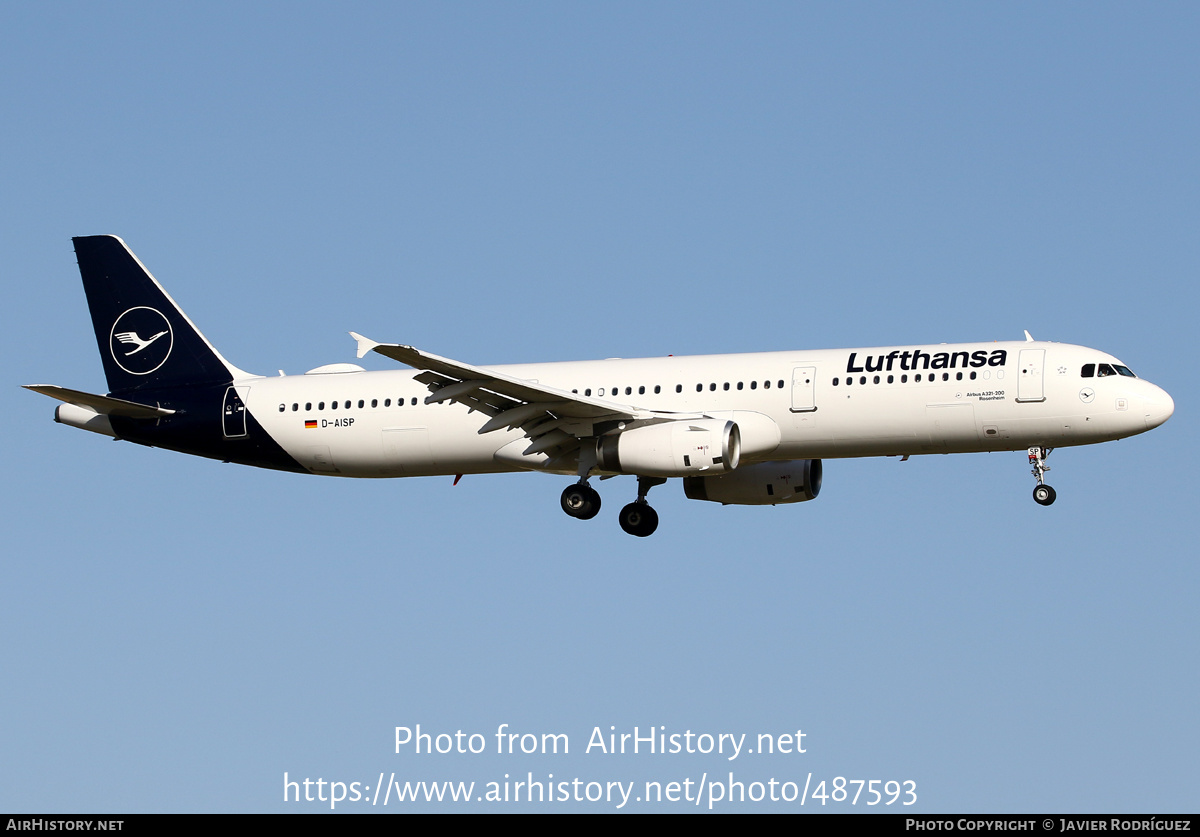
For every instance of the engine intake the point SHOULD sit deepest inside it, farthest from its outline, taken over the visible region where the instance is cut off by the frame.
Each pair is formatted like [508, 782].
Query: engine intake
[672, 449]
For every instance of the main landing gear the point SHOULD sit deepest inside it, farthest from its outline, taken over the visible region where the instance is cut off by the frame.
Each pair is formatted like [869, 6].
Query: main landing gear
[581, 501]
[639, 519]
[1043, 494]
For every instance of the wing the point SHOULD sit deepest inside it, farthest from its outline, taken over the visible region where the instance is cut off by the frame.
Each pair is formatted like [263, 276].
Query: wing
[555, 421]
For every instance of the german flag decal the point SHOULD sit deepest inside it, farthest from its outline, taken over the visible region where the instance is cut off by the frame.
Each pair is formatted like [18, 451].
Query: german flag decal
[310, 424]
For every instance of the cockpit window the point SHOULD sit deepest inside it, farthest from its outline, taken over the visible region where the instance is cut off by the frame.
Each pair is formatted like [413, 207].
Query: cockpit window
[1103, 370]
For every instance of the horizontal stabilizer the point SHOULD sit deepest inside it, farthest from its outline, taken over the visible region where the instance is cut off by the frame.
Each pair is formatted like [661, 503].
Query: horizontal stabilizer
[103, 404]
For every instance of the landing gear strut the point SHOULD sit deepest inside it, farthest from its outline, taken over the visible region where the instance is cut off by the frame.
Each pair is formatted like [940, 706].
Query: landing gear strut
[639, 518]
[580, 500]
[1042, 494]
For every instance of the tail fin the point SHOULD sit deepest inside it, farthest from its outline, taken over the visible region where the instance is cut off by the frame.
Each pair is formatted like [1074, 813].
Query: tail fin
[145, 341]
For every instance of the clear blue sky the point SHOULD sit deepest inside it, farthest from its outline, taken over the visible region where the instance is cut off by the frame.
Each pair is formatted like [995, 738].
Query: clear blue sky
[522, 182]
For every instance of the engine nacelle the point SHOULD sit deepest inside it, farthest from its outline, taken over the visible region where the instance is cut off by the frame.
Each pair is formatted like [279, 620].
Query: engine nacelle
[760, 484]
[672, 449]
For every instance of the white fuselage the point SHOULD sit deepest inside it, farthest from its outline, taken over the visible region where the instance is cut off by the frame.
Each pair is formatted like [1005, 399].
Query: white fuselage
[790, 405]
[749, 429]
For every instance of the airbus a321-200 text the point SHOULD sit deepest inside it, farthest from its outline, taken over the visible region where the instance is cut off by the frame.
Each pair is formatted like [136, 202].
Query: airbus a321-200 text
[745, 429]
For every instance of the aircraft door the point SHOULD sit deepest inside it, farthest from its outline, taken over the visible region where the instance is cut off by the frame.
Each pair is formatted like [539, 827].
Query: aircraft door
[951, 426]
[1030, 381]
[407, 450]
[233, 412]
[320, 460]
[804, 384]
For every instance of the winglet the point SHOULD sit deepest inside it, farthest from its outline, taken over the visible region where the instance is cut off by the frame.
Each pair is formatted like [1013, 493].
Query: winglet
[1028, 338]
[365, 344]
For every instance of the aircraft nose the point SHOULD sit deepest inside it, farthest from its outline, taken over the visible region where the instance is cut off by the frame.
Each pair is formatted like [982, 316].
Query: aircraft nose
[1159, 406]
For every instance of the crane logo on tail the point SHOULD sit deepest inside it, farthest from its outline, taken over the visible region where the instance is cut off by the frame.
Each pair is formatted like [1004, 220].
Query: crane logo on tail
[135, 353]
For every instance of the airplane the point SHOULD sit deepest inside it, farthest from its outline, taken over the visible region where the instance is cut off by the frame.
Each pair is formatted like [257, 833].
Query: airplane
[742, 429]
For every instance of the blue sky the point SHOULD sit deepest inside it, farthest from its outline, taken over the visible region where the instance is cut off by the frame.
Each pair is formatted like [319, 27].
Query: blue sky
[523, 182]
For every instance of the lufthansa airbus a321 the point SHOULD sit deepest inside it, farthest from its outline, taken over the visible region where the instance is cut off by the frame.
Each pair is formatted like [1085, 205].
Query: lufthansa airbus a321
[747, 429]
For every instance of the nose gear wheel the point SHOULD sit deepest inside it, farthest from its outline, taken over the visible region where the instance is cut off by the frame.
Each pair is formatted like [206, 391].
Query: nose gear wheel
[1043, 494]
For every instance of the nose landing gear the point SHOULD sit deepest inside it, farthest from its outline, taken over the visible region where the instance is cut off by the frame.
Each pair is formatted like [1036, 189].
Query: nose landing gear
[1043, 494]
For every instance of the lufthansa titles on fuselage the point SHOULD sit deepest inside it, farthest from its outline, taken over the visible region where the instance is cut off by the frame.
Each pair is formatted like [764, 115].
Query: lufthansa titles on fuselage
[911, 359]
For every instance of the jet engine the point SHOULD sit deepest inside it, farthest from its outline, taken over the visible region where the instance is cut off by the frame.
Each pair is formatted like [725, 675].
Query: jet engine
[760, 484]
[672, 449]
